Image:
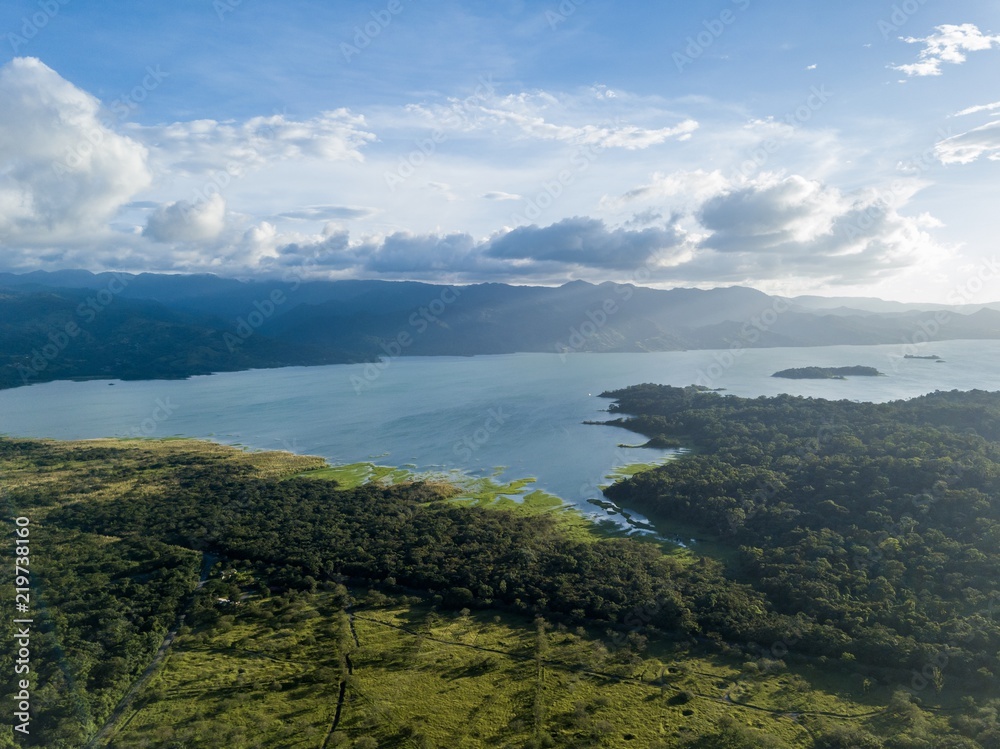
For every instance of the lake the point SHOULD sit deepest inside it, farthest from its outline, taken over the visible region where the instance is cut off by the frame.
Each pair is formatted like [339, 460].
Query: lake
[521, 412]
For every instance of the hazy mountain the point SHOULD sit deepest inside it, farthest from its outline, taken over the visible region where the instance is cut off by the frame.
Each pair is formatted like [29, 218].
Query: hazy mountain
[52, 334]
[848, 305]
[156, 325]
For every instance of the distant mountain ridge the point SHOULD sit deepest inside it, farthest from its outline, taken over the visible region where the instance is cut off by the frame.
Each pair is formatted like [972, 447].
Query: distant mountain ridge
[856, 304]
[157, 325]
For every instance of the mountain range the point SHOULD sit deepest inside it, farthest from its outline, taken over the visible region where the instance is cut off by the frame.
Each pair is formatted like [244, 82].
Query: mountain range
[76, 324]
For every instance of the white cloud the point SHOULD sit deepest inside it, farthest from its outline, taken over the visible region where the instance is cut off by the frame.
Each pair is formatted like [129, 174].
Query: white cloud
[403, 253]
[533, 115]
[970, 146]
[681, 186]
[748, 217]
[776, 227]
[182, 221]
[585, 242]
[769, 215]
[977, 109]
[568, 246]
[765, 230]
[617, 135]
[329, 251]
[949, 44]
[65, 173]
[201, 146]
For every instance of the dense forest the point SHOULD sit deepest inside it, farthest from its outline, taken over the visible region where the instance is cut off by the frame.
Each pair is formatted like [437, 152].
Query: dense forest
[838, 540]
[61, 334]
[874, 526]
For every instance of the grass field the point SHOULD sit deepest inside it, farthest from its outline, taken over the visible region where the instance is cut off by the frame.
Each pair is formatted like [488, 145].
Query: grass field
[268, 674]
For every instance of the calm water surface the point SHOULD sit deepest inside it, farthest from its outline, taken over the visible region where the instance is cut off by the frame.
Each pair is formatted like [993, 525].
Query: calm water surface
[522, 412]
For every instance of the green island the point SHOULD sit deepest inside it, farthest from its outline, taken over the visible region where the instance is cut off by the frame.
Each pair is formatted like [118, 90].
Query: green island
[842, 592]
[827, 373]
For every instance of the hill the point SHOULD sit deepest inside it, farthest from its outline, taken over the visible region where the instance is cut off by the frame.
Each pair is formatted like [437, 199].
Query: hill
[151, 325]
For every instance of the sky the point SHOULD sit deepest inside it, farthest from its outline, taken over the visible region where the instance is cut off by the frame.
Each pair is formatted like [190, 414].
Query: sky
[797, 147]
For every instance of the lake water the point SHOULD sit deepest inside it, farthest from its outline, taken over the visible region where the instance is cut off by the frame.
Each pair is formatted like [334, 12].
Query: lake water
[522, 412]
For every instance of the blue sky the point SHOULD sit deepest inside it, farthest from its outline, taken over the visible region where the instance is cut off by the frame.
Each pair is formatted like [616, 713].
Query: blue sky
[799, 147]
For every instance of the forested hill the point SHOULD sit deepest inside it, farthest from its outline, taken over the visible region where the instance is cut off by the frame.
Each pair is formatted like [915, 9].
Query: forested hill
[56, 334]
[150, 325]
[877, 526]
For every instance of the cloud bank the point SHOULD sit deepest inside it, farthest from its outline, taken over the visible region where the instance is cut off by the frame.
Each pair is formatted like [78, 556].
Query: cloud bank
[77, 189]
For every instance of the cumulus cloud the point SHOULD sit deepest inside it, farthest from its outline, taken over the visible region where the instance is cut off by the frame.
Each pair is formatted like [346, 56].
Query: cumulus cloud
[770, 215]
[65, 172]
[773, 228]
[568, 245]
[329, 252]
[585, 242]
[402, 252]
[983, 141]
[688, 225]
[777, 227]
[182, 221]
[949, 43]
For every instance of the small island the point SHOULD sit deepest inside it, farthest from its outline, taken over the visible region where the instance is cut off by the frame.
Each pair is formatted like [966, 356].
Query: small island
[827, 373]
